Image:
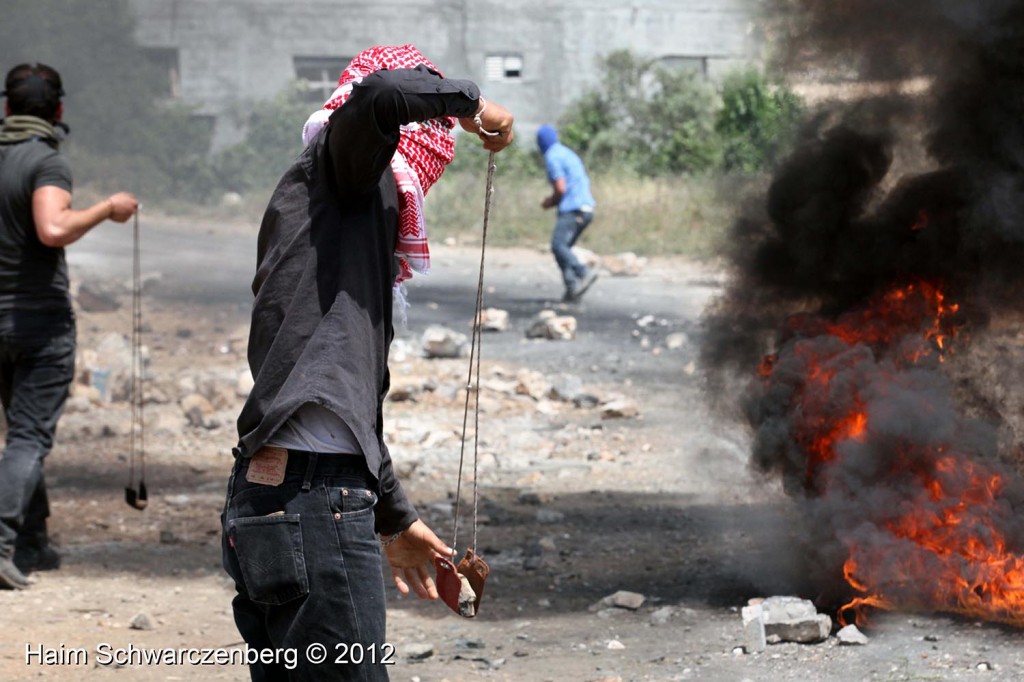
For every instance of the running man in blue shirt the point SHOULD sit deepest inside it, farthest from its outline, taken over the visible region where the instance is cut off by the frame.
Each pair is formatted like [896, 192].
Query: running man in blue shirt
[571, 194]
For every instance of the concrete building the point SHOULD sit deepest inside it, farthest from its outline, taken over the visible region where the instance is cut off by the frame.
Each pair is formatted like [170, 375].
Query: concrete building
[534, 56]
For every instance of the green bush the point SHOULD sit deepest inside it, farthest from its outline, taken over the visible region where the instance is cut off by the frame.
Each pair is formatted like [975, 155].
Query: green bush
[757, 121]
[650, 120]
[645, 118]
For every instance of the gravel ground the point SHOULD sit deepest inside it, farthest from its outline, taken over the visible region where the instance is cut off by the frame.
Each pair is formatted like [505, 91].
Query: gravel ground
[574, 506]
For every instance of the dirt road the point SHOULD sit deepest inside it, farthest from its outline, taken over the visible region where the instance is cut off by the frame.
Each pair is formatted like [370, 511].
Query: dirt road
[575, 505]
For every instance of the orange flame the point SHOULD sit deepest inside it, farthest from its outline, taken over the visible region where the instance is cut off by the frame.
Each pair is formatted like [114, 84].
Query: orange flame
[943, 549]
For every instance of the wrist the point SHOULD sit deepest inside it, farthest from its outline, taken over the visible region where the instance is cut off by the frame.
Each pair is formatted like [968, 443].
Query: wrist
[110, 208]
[479, 122]
[386, 540]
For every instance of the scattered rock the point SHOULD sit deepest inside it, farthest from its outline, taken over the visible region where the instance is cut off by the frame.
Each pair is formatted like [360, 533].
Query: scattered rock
[624, 599]
[616, 645]
[754, 635]
[141, 621]
[197, 409]
[93, 300]
[662, 616]
[532, 383]
[549, 325]
[418, 651]
[794, 620]
[851, 635]
[441, 342]
[566, 387]
[178, 501]
[676, 340]
[231, 200]
[494, 320]
[626, 264]
[620, 408]
[404, 388]
[244, 384]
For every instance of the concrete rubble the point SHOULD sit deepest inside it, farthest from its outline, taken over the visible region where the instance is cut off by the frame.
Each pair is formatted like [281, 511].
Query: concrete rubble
[548, 324]
[441, 342]
[494, 320]
[783, 619]
[626, 264]
[851, 635]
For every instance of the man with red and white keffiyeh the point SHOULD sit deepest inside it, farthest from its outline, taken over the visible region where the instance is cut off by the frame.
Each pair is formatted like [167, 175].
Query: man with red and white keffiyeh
[313, 483]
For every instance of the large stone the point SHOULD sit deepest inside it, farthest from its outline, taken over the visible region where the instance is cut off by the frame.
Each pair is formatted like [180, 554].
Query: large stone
[791, 619]
[494, 320]
[549, 325]
[441, 342]
[626, 264]
[625, 599]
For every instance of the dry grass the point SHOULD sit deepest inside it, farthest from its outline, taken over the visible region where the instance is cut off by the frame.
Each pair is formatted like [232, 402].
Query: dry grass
[678, 216]
[648, 216]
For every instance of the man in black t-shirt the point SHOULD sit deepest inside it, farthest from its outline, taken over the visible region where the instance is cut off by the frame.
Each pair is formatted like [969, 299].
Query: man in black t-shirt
[37, 327]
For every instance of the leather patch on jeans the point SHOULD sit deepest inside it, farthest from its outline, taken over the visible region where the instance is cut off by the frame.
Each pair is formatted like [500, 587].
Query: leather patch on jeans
[267, 466]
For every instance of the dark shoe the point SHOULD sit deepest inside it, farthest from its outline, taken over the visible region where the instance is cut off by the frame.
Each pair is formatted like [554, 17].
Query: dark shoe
[575, 292]
[10, 577]
[30, 558]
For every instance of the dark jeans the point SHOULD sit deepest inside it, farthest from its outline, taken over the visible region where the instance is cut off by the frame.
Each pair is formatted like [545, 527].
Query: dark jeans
[307, 568]
[568, 228]
[35, 373]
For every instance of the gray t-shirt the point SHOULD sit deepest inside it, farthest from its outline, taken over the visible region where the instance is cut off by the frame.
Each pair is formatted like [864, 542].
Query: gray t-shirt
[34, 296]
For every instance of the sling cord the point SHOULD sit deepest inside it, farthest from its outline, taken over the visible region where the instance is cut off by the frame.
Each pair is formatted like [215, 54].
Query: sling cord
[137, 439]
[473, 384]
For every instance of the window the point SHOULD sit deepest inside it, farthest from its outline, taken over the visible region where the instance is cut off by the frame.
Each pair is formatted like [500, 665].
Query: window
[698, 65]
[319, 75]
[165, 63]
[503, 67]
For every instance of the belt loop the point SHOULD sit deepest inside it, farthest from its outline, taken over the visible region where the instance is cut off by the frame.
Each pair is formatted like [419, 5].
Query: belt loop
[236, 467]
[307, 482]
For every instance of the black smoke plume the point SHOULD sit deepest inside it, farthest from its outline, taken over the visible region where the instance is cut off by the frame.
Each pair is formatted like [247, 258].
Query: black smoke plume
[887, 199]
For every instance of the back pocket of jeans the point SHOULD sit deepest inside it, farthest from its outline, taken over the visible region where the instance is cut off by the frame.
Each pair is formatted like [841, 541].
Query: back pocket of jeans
[269, 551]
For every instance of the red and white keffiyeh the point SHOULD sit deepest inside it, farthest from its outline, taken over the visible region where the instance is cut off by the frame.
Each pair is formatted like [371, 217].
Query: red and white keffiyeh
[424, 149]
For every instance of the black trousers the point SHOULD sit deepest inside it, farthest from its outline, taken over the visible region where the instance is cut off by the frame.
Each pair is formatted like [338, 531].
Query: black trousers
[35, 373]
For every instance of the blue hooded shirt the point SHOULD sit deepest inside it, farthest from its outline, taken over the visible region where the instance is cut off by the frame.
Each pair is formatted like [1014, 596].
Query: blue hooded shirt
[560, 162]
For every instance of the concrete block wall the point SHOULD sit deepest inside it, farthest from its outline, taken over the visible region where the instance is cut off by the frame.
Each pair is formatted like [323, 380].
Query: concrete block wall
[232, 52]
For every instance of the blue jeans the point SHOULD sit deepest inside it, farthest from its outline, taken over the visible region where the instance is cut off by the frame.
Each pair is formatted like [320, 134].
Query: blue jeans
[307, 569]
[568, 228]
[35, 373]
